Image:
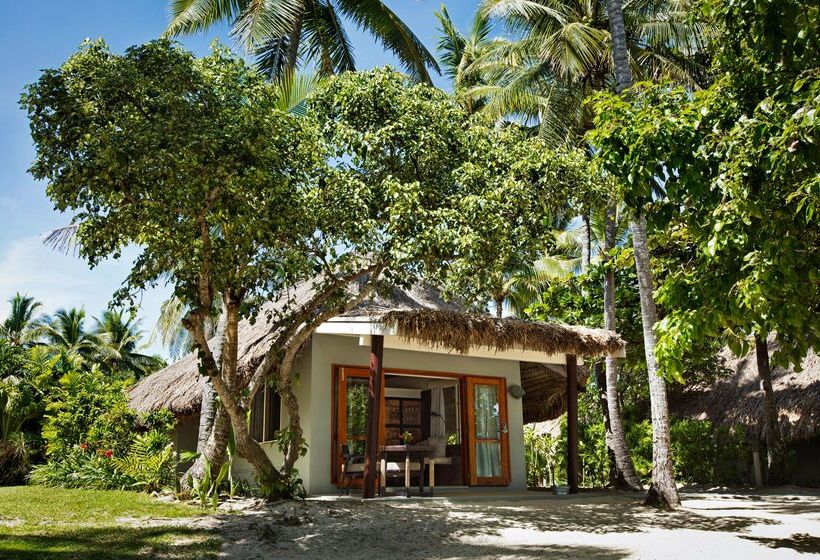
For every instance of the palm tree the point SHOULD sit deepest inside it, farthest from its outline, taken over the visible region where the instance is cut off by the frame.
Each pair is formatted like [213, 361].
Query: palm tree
[281, 32]
[662, 490]
[120, 339]
[561, 52]
[20, 327]
[65, 331]
[458, 52]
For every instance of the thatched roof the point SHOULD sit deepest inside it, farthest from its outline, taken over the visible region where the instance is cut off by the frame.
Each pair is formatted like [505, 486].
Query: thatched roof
[737, 400]
[545, 387]
[419, 314]
[460, 331]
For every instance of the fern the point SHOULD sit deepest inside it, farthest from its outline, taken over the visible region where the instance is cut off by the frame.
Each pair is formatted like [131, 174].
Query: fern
[151, 469]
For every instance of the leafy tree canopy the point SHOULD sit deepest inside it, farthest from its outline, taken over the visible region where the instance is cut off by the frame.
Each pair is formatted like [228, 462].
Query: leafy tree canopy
[738, 166]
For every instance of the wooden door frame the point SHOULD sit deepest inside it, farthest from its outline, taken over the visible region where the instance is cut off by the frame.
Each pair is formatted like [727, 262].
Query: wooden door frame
[504, 436]
[336, 421]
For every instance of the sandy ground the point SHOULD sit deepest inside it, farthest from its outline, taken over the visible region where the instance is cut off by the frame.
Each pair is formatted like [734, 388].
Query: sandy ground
[779, 525]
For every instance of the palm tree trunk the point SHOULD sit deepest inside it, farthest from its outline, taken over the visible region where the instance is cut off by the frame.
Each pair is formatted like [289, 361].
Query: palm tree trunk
[499, 306]
[620, 54]
[662, 491]
[293, 41]
[764, 371]
[598, 373]
[625, 475]
[586, 240]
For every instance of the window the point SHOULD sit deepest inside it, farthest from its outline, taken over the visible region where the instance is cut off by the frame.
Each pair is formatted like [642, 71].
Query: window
[265, 411]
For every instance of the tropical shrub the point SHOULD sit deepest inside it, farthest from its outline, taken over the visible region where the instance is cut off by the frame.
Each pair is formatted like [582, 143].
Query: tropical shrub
[705, 454]
[541, 455]
[80, 468]
[151, 469]
[93, 440]
[88, 408]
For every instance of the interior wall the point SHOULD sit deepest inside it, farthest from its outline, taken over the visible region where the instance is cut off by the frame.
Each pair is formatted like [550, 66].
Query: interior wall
[328, 350]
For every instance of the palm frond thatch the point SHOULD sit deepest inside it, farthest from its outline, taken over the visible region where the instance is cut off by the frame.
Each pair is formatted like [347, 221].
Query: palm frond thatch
[737, 400]
[461, 331]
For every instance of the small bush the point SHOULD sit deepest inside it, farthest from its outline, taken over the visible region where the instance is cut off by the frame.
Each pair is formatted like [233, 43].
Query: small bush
[81, 469]
[705, 454]
[14, 463]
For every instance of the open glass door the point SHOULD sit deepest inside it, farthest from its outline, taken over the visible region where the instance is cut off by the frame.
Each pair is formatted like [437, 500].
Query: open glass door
[351, 414]
[487, 431]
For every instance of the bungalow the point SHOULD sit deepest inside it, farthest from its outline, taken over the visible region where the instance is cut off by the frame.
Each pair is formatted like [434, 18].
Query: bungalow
[735, 401]
[407, 367]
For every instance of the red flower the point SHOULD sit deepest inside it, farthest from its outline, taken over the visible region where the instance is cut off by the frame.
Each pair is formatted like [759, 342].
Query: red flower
[108, 453]
[84, 446]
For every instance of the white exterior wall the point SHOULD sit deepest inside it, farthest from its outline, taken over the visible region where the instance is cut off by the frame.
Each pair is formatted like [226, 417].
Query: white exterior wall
[329, 350]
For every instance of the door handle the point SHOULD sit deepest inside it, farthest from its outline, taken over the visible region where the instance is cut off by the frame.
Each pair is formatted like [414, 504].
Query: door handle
[504, 429]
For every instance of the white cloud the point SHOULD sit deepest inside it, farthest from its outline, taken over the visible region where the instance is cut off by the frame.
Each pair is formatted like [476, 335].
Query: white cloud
[58, 280]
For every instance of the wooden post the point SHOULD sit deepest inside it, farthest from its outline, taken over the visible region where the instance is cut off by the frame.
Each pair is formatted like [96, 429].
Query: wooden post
[374, 390]
[572, 423]
[756, 464]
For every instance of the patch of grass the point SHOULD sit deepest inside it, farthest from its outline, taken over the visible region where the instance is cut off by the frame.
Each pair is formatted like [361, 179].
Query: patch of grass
[56, 523]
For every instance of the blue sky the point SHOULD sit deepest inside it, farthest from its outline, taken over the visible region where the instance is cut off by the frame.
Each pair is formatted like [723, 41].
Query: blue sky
[43, 34]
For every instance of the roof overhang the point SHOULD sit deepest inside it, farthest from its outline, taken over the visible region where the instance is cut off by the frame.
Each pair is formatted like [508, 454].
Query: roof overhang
[366, 327]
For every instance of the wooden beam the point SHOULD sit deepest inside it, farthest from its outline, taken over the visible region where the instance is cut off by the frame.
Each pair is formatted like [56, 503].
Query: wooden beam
[374, 390]
[572, 423]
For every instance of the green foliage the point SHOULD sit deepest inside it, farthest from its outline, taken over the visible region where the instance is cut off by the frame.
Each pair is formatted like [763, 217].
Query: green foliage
[21, 327]
[152, 469]
[206, 489]
[14, 460]
[120, 338]
[702, 453]
[705, 454]
[736, 167]
[78, 468]
[235, 157]
[268, 31]
[88, 408]
[93, 440]
[639, 439]
[541, 454]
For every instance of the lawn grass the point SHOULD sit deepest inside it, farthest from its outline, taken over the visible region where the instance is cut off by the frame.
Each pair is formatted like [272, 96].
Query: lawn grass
[55, 523]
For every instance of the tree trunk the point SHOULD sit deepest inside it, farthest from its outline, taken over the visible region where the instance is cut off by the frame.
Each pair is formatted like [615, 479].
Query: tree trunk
[214, 424]
[600, 381]
[773, 455]
[267, 477]
[586, 241]
[499, 306]
[293, 42]
[625, 475]
[662, 491]
[620, 53]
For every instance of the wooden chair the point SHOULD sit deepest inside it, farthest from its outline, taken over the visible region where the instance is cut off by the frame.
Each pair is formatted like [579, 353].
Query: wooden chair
[352, 467]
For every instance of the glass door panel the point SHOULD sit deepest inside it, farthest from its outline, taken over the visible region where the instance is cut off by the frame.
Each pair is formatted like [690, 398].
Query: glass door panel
[487, 425]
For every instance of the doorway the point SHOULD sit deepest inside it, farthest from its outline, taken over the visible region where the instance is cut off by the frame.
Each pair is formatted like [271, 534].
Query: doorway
[463, 418]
